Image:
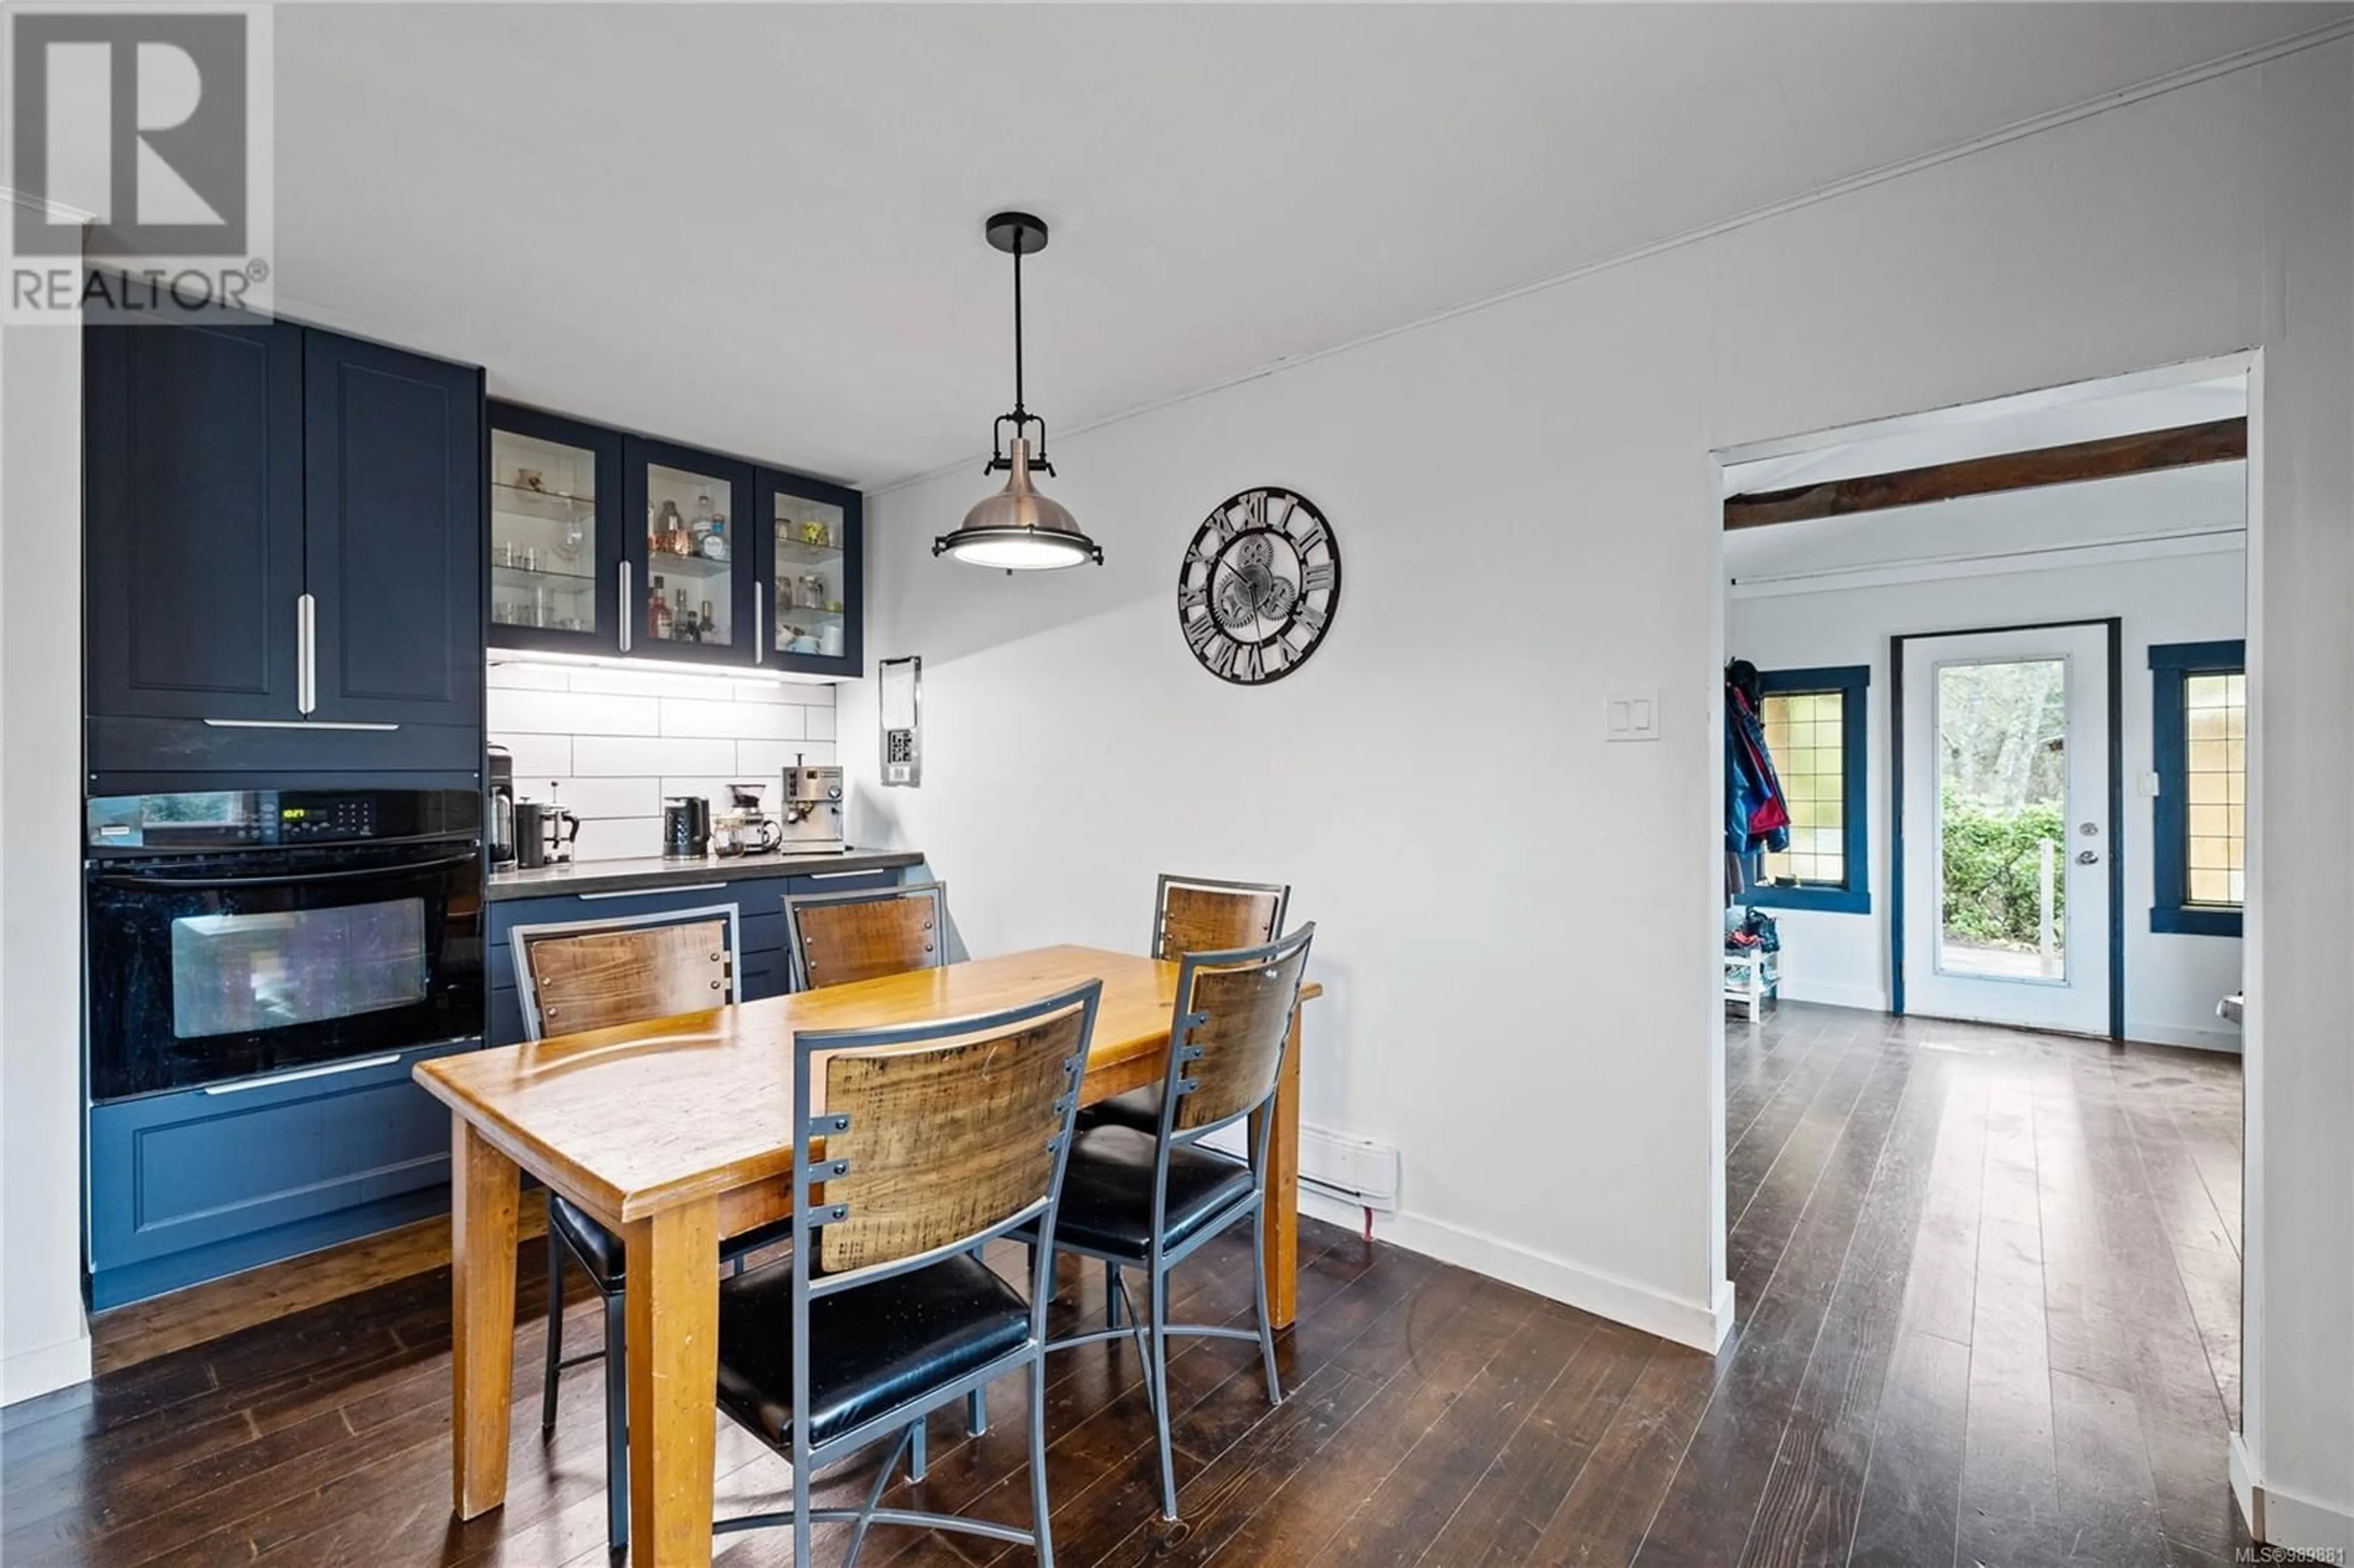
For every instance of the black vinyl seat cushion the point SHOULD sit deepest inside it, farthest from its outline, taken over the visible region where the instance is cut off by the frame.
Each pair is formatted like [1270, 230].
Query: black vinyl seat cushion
[600, 1251]
[871, 1347]
[1107, 1191]
[1139, 1109]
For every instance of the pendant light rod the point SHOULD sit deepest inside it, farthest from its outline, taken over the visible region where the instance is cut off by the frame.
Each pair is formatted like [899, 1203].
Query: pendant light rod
[1017, 234]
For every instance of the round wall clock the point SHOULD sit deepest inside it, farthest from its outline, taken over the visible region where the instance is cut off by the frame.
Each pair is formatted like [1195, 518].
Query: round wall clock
[1258, 586]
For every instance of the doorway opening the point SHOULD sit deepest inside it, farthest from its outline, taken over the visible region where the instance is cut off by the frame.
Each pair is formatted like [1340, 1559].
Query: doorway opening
[1982, 969]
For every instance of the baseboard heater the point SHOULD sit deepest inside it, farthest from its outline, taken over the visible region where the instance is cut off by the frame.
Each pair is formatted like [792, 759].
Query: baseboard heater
[1340, 1165]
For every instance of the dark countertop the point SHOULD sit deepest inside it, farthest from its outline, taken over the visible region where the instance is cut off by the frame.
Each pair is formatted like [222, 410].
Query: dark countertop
[653, 873]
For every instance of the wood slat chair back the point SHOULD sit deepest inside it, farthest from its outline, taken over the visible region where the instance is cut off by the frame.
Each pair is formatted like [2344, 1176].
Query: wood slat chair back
[1197, 915]
[590, 974]
[946, 1141]
[833, 939]
[1243, 1016]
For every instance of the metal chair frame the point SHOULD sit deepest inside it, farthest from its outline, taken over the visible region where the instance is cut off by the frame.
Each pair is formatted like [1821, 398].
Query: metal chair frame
[1151, 1335]
[1281, 890]
[617, 1431]
[797, 957]
[906, 1417]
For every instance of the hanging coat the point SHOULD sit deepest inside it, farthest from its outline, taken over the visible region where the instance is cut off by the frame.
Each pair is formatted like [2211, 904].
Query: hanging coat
[1756, 813]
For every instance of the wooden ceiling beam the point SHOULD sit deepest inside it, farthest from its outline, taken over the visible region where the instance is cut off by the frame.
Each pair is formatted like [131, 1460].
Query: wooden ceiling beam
[2185, 445]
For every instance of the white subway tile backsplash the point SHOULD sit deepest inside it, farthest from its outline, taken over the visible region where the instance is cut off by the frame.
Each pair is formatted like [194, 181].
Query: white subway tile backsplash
[731, 720]
[610, 797]
[615, 742]
[571, 713]
[615, 838]
[619, 756]
[537, 756]
[771, 757]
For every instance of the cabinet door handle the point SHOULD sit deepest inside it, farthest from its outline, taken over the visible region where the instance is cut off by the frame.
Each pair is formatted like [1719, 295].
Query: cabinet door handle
[296, 724]
[759, 621]
[244, 1085]
[641, 891]
[836, 875]
[306, 670]
[626, 597]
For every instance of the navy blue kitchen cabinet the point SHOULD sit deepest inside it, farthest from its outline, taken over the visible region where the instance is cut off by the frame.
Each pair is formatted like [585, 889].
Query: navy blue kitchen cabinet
[810, 579]
[194, 519]
[760, 915]
[192, 1185]
[393, 543]
[556, 536]
[691, 605]
[283, 556]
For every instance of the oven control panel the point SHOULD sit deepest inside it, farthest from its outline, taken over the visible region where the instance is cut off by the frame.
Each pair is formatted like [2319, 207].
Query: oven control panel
[337, 818]
[271, 818]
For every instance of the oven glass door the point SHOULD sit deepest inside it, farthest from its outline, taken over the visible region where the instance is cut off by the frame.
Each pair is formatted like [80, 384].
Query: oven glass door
[206, 969]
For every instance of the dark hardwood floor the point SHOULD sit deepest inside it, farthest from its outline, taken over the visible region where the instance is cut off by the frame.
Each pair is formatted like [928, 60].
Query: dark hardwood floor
[1988, 1311]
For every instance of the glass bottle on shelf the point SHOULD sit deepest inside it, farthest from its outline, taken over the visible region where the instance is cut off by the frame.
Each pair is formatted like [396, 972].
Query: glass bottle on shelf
[657, 623]
[688, 629]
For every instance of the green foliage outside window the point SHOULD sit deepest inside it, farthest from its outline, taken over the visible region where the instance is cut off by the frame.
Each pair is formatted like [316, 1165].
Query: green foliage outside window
[1992, 858]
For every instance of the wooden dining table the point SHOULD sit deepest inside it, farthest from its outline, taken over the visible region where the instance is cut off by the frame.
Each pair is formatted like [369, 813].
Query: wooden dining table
[677, 1133]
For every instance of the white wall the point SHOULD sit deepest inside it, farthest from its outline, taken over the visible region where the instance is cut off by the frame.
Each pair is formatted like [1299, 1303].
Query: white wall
[2172, 981]
[44, 1341]
[1517, 920]
[612, 743]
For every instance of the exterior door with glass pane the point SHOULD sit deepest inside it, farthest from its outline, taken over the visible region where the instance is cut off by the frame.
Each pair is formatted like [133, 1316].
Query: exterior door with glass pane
[691, 566]
[809, 595]
[556, 543]
[2006, 835]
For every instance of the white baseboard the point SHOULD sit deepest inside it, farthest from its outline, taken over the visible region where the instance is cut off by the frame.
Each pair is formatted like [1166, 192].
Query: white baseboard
[1702, 1325]
[45, 1370]
[2223, 1037]
[2277, 1518]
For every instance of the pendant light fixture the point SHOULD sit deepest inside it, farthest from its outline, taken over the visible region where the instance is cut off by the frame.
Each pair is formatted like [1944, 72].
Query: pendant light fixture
[1017, 529]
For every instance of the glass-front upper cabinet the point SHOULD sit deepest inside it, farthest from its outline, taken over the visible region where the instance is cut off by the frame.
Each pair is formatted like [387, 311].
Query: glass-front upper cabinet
[556, 546]
[693, 589]
[810, 588]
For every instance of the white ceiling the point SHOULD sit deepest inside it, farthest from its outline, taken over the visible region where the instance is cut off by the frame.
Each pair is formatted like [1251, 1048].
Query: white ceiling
[757, 228]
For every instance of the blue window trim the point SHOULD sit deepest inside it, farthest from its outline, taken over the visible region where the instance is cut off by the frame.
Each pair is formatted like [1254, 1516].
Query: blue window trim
[2170, 662]
[1853, 681]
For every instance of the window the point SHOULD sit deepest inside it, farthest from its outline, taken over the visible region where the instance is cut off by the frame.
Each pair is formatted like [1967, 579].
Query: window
[1815, 731]
[2198, 719]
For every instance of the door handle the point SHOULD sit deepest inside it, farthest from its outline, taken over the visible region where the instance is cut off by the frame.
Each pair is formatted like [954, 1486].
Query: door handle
[306, 669]
[2088, 857]
[759, 621]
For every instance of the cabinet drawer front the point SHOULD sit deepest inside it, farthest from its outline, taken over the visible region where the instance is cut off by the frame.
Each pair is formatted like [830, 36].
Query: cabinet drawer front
[183, 1170]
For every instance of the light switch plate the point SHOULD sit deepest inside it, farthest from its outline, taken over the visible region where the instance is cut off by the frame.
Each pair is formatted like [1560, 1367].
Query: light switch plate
[1631, 715]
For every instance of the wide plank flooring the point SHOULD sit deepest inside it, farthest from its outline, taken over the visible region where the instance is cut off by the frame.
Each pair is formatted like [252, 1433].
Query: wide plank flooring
[1988, 1315]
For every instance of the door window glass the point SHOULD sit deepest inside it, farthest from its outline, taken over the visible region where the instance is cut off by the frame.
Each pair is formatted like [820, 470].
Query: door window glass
[2002, 744]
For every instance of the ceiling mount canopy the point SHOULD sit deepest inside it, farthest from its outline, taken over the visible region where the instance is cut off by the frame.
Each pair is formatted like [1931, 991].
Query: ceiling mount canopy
[1017, 529]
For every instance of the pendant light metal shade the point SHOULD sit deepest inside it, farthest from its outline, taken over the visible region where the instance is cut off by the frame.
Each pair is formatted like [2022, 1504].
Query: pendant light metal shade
[1017, 529]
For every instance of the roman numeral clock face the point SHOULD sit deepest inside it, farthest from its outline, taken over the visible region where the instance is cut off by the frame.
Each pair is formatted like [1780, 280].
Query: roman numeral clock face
[1259, 587]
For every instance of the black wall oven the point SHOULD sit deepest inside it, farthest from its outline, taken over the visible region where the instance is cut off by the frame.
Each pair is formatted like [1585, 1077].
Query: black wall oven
[233, 933]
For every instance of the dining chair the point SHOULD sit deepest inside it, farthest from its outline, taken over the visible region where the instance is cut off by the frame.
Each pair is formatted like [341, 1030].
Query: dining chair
[927, 1142]
[833, 939]
[589, 974]
[1195, 915]
[1150, 1201]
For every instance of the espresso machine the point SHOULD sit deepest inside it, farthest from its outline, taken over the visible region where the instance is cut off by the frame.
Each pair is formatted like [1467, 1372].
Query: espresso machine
[811, 813]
